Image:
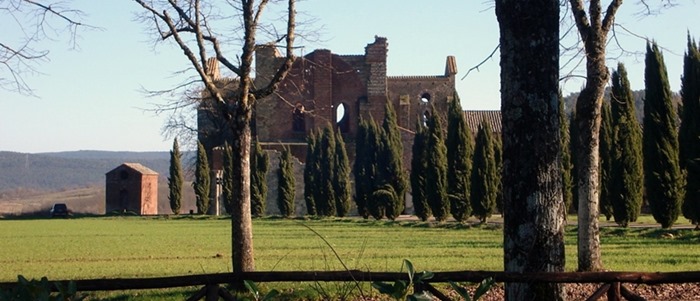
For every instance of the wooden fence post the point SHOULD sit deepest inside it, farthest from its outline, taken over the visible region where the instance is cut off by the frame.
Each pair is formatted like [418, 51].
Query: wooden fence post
[212, 292]
[198, 295]
[614, 292]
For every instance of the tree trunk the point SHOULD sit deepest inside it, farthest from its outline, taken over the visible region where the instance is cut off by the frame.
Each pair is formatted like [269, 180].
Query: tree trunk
[593, 27]
[588, 119]
[241, 221]
[532, 187]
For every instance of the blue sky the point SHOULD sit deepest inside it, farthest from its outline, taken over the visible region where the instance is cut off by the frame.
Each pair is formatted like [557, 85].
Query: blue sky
[91, 99]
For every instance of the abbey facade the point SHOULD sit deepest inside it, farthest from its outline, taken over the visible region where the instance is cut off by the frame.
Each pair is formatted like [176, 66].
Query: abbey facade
[324, 88]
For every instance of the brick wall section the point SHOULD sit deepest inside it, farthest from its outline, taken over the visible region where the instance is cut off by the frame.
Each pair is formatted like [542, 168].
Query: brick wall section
[322, 72]
[375, 61]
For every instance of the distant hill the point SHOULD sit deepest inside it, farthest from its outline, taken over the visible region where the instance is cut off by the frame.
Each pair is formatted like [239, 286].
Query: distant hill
[30, 183]
[62, 170]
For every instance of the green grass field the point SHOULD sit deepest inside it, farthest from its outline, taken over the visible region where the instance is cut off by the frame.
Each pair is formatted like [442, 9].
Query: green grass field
[109, 247]
[126, 247]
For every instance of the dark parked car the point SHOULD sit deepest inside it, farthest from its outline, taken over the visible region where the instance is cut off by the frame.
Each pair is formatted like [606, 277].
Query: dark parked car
[59, 209]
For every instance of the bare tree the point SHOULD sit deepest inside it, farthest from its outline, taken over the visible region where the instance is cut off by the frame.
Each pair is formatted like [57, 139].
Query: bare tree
[593, 27]
[532, 187]
[190, 24]
[31, 22]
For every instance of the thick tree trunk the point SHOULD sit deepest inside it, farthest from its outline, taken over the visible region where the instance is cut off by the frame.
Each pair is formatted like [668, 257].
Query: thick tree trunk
[532, 186]
[588, 119]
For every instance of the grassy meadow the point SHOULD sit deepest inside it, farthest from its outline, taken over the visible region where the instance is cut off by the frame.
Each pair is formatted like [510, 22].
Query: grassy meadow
[130, 247]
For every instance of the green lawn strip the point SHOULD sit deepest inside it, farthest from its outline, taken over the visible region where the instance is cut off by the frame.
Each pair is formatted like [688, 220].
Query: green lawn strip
[131, 247]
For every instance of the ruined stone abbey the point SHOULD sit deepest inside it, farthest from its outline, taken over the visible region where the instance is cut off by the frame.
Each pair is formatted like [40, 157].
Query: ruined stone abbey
[325, 88]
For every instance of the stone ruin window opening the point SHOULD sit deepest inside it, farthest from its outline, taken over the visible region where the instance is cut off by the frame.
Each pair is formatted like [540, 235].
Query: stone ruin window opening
[298, 118]
[425, 98]
[342, 122]
[425, 118]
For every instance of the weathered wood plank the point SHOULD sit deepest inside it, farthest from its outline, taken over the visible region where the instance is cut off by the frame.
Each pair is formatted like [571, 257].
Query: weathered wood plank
[360, 276]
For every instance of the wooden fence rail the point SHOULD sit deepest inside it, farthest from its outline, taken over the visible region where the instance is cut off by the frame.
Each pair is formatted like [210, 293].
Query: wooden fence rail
[361, 276]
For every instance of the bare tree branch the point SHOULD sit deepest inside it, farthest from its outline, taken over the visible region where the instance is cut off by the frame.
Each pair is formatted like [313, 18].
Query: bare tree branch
[581, 18]
[610, 14]
[477, 66]
[33, 21]
[284, 69]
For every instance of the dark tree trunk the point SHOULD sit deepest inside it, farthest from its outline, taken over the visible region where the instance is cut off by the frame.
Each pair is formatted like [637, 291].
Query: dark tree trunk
[532, 187]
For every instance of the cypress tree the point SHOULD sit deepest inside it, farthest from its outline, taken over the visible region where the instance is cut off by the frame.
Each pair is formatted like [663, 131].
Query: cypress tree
[484, 176]
[360, 169]
[605, 153]
[375, 206]
[342, 177]
[626, 178]
[498, 156]
[259, 165]
[689, 132]
[318, 189]
[325, 203]
[566, 162]
[202, 180]
[573, 135]
[419, 165]
[391, 162]
[384, 194]
[691, 201]
[436, 172]
[227, 182]
[176, 179]
[311, 172]
[689, 135]
[662, 175]
[286, 183]
[459, 153]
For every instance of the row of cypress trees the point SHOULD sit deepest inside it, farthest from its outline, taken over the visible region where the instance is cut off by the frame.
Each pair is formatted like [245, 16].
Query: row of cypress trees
[663, 161]
[327, 188]
[380, 179]
[660, 161]
[473, 184]
[259, 162]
